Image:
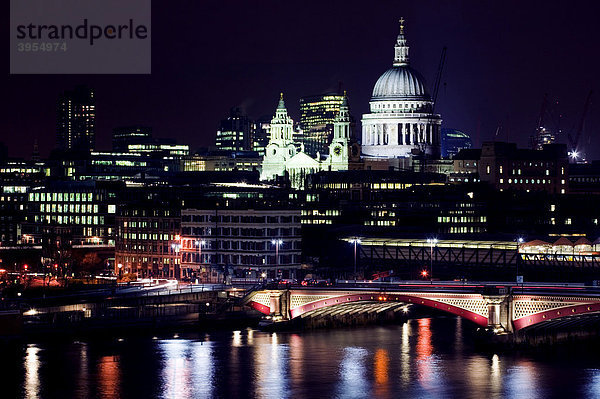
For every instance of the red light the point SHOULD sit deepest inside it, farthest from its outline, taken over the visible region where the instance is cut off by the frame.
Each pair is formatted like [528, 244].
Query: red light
[424, 273]
[25, 267]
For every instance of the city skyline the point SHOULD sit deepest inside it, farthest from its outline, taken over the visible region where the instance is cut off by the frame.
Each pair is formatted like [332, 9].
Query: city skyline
[189, 92]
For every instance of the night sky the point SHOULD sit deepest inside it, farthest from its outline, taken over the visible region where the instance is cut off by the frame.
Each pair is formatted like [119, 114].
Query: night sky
[208, 56]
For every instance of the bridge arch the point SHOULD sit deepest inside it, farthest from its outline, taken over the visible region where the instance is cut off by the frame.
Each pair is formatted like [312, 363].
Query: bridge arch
[555, 313]
[477, 314]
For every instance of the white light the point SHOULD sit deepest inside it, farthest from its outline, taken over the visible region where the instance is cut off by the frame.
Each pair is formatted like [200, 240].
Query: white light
[30, 312]
[521, 239]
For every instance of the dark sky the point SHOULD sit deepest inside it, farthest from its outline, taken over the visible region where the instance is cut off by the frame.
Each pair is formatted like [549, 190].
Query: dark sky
[210, 55]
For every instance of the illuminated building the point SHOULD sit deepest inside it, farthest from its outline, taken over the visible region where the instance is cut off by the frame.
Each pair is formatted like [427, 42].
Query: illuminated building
[76, 120]
[240, 239]
[160, 147]
[86, 209]
[401, 123]
[148, 228]
[222, 161]
[235, 132]
[452, 141]
[286, 157]
[17, 178]
[260, 138]
[317, 114]
[123, 136]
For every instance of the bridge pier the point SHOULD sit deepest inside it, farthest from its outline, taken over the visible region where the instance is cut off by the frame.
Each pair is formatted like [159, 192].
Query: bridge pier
[280, 304]
[499, 310]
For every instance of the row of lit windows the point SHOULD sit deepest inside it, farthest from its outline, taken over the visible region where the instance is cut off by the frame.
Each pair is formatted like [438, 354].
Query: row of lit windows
[69, 208]
[78, 197]
[527, 181]
[380, 223]
[60, 219]
[316, 212]
[466, 229]
[462, 219]
[118, 163]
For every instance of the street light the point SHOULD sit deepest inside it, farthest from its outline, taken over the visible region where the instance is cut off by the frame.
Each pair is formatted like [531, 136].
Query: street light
[355, 241]
[432, 242]
[277, 243]
[199, 245]
[520, 241]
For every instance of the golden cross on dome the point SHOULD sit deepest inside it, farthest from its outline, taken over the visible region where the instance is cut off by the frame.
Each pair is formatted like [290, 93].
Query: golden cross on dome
[401, 24]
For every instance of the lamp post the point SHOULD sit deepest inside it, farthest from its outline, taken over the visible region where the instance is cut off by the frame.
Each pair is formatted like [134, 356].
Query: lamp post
[432, 242]
[277, 243]
[355, 241]
[520, 241]
[176, 247]
[199, 245]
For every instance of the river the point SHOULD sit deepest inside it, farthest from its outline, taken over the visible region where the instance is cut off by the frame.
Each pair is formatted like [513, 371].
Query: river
[427, 357]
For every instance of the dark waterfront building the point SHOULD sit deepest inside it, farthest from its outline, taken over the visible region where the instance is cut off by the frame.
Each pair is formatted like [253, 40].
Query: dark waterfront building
[148, 225]
[236, 132]
[248, 241]
[122, 137]
[317, 114]
[452, 141]
[76, 120]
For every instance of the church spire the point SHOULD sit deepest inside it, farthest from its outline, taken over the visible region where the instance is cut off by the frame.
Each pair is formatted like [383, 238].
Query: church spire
[401, 48]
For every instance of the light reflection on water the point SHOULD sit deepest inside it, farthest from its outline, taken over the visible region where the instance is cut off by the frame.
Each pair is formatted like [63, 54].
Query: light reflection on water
[422, 358]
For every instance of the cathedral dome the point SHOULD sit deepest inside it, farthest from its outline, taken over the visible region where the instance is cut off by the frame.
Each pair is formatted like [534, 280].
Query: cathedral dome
[400, 83]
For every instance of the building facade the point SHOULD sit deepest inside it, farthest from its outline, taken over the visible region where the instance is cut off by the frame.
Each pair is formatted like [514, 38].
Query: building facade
[235, 132]
[247, 241]
[86, 209]
[452, 141]
[317, 114]
[123, 136]
[401, 122]
[148, 236]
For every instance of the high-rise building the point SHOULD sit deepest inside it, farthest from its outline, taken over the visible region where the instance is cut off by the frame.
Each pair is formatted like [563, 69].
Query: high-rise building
[453, 141]
[317, 114]
[235, 132]
[123, 136]
[76, 120]
[401, 122]
[260, 136]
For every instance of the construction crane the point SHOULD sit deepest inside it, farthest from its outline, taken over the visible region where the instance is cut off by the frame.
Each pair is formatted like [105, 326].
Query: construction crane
[574, 152]
[438, 78]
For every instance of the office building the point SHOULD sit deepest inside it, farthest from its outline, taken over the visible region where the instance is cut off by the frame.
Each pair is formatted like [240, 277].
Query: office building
[76, 120]
[124, 136]
[235, 132]
[317, 114]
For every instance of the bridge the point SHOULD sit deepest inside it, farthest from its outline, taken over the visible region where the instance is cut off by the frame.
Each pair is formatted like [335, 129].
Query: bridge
[502, 307]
